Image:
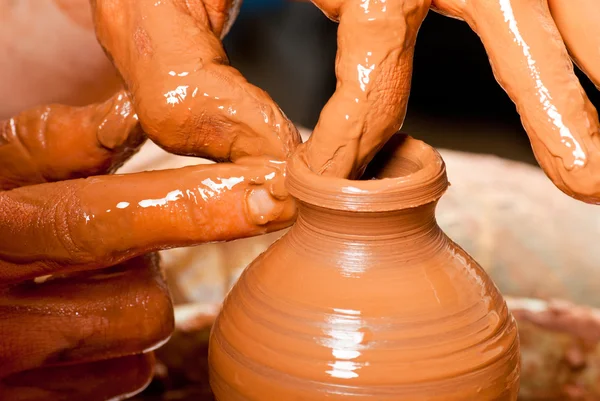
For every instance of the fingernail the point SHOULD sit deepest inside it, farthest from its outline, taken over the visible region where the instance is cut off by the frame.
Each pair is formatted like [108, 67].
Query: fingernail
[262, 207]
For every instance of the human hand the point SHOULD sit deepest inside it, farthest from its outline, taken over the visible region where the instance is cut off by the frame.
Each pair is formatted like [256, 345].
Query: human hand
[189, 100]
[86, 332]
[525, 41]
[528, 43]
[376, 41]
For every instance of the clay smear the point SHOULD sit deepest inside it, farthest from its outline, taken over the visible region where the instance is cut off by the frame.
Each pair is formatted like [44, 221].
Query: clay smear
[529, 58]
[376, 42]
[151, 211]
[57, 142]
[188, 99]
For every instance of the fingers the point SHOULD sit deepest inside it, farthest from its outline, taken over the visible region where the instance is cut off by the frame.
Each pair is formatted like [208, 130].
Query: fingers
[96, 381]
[577, 21]
[56, 142]
[86, 317]
[100, 221]
[450, 8]
[374, 66]
[188, 99]
[531, 63]
[221, 15]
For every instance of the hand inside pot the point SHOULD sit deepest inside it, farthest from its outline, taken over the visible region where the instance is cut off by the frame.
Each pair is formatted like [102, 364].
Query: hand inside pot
[83, 301]
[528, 43]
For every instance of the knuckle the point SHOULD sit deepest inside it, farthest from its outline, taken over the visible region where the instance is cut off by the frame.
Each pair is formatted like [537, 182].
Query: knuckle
[66, 214]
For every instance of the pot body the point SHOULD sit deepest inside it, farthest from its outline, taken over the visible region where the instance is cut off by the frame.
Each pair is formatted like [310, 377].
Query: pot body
[373, 304]
[323, 317]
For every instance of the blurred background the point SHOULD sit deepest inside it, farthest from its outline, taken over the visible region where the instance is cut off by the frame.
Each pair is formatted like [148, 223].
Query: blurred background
[288, 48]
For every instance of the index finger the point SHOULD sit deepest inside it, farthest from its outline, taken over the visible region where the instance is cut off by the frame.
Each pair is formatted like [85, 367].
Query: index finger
[100, 221]
[376, 43]
[577, 21]
[531, 63]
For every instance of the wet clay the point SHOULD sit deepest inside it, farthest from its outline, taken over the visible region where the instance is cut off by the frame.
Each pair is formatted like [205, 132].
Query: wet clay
[365, 297]
[63, 230]
[376, 42]
[57, 224]
[189, 100]
[58, 142]
[104, 220]
[87, 316]
[529, 58]
[530, 61]
[578, 25]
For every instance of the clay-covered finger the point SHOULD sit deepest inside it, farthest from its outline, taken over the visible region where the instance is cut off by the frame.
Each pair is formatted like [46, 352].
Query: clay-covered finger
[119, 311]
[100, 221]
[96, 381]
[376, 42]
[189, 100]
[531, 63]
[57, 142]
[577, 21]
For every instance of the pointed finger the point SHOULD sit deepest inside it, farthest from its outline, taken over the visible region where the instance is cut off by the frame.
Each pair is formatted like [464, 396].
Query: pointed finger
[374, 67]
[531, 63]
[56, 142]
[577, 21]
[101, 221]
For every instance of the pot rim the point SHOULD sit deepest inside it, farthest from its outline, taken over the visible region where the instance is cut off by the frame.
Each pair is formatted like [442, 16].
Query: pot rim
[426, 184]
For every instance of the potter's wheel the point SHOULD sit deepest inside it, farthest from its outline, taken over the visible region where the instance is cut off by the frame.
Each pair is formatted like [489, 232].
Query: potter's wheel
[537, 244]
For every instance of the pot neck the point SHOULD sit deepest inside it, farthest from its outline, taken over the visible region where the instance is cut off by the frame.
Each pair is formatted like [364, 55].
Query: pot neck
[405, 224]
[406, 173]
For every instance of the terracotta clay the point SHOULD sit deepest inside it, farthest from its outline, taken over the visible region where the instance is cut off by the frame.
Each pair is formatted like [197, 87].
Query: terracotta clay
[578, 25]
[34, 147]
[76, 337]
[188, 99]
[486, 211]
[528, 56]
[112, 379]
[92, 223]
[95, 325]
[365, 297]
[530, 61]
[376, 42]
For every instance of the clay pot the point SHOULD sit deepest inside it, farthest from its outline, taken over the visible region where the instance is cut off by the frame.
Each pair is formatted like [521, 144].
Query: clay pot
[366, 297]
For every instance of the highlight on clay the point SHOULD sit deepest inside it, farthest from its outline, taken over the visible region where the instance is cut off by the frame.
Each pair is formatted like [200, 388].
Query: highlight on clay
[419, 224]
